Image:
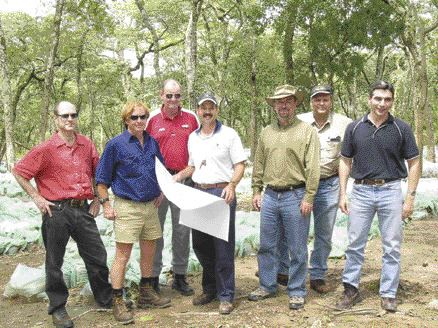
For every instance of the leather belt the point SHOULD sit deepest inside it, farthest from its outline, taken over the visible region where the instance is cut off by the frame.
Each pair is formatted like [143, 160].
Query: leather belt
[286, 188]
[373, 182]
[221, 185]
[332, 176]
[77, 203]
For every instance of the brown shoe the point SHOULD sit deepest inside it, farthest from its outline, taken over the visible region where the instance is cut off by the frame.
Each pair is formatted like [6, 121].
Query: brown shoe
[226, 307]
[282, 279]
[389, 304]
[319, 286]
[350, 297]
[120, 311]
[202, 299]
[61, 319]
[149, 298]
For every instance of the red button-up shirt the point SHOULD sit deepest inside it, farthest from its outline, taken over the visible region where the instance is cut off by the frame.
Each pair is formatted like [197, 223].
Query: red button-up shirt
[172, 135]
[60, 171]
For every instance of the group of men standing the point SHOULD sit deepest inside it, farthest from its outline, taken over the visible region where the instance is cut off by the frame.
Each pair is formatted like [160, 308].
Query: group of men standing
[301, 163]
[304, 168]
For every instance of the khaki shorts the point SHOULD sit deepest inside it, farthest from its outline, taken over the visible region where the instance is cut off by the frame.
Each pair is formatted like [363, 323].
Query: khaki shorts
[136, 221]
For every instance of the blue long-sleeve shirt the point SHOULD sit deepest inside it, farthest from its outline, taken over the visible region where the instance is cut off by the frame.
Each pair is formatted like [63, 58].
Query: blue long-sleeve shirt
[128, 168]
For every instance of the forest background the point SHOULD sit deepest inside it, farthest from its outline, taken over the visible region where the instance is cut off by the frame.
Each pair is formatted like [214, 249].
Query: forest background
[99, 54]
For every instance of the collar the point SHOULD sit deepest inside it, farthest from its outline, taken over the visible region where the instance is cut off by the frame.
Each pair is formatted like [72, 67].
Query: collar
[216, 128]
[329, 120]
[128, 137]
[166, 117]
[58, 141]
[389, 120]
[290, 122]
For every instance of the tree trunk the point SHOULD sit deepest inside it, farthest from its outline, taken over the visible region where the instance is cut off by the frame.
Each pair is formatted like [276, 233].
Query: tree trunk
[156, 41]
[253, 133]
[289, 32]
[431, 140]
[48, 81]
[379, 62]
[6, 100]
[79, 69]
[191, 49]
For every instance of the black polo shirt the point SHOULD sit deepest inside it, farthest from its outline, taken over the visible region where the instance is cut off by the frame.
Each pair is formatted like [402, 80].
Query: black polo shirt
[379, 153]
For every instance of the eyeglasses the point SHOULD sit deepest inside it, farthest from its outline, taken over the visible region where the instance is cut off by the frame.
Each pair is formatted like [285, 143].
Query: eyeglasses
[67, 116]
[174, 95]
[136, 117]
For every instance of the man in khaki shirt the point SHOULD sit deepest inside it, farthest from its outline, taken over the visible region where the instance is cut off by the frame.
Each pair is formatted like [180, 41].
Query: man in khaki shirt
[331, 128]
[287, 163]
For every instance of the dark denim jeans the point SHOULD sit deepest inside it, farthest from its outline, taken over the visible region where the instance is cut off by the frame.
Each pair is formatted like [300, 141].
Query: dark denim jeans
[217, 257]
[77, 223]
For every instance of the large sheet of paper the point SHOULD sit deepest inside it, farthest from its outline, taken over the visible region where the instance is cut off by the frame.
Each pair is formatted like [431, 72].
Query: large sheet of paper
[199, 210]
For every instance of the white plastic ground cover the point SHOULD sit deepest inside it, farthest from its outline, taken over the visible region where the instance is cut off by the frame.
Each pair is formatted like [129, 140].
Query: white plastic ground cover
[20, 224]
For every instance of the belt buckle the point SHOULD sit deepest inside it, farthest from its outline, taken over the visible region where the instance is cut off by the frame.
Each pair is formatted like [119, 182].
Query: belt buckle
[203, 186]
[76, 202]
[379, 182]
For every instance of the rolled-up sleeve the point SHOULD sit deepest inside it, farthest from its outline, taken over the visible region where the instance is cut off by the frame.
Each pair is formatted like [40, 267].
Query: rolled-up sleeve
[312, 167]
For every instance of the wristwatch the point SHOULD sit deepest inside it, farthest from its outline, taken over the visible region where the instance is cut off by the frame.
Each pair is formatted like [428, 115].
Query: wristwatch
[412, 193]
[103, 200]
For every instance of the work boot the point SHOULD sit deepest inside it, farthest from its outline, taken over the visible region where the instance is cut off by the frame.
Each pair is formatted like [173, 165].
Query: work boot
[350, 297]
[149, 298]
[180, 284]
[204, 298]
[120, 311]
[61, 319]
[226, 307]
[282, 279]
[389, 304]
[319, 286]
[156, 284]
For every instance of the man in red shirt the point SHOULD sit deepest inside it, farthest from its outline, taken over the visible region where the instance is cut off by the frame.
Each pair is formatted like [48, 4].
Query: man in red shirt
[171, 126]
[63, 168]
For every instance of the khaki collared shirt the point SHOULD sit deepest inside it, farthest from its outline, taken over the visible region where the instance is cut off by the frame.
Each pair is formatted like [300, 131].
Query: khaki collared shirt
[287, 156]
[331, 136]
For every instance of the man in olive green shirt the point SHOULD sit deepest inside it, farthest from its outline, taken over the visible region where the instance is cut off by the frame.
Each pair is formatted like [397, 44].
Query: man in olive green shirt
[287, 163]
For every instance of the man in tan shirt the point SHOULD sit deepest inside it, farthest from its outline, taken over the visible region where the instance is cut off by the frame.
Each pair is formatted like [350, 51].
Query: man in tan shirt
[287, 163]
[331, 128]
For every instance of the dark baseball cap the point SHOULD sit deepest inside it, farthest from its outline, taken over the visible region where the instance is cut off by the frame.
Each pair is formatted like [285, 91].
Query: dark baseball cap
[208, 96]
[325, 88]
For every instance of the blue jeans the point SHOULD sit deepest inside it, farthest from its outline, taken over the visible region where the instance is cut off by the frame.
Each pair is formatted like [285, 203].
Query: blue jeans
[217, 257]
[283, 209]
[387, 202]
[325, 208]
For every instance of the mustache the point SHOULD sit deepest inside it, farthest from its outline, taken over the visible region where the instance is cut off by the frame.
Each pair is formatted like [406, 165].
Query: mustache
[207, 115]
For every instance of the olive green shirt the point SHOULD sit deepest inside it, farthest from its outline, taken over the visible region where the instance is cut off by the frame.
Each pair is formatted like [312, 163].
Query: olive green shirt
[287, 156]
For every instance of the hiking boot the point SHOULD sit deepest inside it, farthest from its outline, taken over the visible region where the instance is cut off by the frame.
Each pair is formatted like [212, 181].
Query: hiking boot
[120, 311]
[296, 302]
[350, 297]
[319, 286]
[282, 279]
[226, 307]
[109, 307]
[149, 298]
[389, 304]
[259, 294]
[204, 298]
[61, 319]
[156, 284]
[180, 284]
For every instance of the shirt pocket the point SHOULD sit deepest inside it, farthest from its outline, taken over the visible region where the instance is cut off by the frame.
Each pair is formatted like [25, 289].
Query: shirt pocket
[331, 146]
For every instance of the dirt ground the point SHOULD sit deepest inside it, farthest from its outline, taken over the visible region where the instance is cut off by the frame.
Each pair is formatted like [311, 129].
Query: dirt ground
[419, 286]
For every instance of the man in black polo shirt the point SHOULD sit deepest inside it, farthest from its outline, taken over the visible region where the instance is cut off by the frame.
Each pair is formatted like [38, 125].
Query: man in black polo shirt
[374, 150]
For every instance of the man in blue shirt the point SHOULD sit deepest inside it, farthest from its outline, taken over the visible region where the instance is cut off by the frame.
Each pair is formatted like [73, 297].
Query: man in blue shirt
[374, 151]
[127, 166]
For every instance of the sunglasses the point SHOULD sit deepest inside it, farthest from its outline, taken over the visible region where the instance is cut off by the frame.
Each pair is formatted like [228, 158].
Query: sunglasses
[174, 95]
[136, 117]
[66, 116]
